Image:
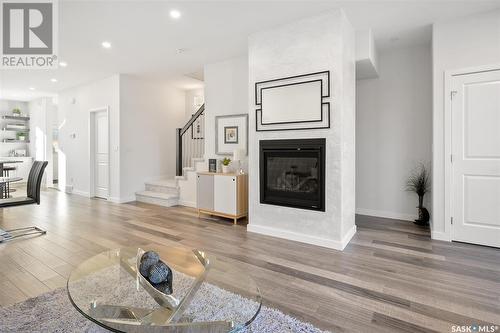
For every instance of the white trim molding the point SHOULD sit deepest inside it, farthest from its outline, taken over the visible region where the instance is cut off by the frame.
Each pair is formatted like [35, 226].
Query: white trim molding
[187, 203]
[329, 243]
[121, 200]
[79, 192]
[385, 214]
[439, 235]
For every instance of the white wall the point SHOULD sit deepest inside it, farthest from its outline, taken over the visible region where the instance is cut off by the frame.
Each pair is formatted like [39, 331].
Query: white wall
[149, 114]
[143, 117]
[74, 107]
[226, 92]
[466, 42]
[43, 111]
[324, 42]
[393, 132]
[192, 96]
[366, 55]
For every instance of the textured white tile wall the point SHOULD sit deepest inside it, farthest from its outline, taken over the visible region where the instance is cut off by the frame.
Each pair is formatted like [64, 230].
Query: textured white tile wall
[319, 43]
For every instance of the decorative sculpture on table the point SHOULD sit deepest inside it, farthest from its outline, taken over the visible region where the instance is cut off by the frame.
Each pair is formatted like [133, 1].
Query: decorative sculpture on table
[156, 272]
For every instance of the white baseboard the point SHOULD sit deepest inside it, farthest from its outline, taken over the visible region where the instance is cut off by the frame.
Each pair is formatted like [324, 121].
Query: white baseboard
[79, 192]
[440, 235]
[329, 243]
[121, 200]
[387, 215]
[191, 204]
[347, 238]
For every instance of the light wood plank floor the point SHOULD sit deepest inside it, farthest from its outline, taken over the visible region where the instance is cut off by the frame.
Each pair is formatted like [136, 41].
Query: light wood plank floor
[390, 278]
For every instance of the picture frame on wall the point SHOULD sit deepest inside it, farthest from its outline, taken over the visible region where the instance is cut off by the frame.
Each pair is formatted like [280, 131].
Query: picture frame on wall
[231, 133]
[197, 130]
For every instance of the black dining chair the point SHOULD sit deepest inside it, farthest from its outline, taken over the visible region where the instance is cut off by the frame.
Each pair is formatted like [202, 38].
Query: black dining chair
[6, 173]
[33, 197]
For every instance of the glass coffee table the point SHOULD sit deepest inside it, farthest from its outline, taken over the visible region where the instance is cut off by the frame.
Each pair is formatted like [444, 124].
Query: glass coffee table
[209, 295]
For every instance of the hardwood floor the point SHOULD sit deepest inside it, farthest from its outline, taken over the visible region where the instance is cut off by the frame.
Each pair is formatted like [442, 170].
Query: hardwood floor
[390, 278]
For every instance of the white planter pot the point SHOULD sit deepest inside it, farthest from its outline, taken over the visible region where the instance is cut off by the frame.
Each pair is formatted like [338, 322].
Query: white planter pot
[225, 169]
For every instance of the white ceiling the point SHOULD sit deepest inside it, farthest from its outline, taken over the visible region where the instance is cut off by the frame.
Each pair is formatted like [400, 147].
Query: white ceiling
[145, 39]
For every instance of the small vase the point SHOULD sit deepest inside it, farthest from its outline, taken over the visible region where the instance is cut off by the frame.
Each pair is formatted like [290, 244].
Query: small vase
[225, 169]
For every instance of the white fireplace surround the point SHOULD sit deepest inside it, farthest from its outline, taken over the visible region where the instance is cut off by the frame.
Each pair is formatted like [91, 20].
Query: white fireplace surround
[321, 43]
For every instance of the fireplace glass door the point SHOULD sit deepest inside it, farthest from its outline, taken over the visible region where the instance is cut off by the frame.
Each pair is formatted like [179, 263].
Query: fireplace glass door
[292, 173]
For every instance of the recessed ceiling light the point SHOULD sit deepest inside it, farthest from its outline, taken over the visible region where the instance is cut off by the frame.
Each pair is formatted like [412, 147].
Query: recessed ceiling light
[53, 80]
[106, 45]
[175, 14]
[63, 64]
[31, 88]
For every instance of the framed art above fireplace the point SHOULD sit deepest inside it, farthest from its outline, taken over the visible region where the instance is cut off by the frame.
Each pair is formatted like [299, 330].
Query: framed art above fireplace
[292, 173]
[293, 103]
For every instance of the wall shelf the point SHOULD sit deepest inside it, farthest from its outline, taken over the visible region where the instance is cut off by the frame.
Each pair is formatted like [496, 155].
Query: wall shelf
[15, 129]
[15, 118]
[16, 141]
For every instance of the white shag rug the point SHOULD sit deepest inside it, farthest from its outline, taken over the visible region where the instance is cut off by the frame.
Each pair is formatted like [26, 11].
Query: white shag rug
[53, 311]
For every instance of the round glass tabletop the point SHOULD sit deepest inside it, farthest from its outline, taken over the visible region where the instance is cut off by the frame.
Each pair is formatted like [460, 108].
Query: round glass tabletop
[208, 295]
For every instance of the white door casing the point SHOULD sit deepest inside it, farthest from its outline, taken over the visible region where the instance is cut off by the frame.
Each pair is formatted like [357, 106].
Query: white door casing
[475, 147]
[99, 153]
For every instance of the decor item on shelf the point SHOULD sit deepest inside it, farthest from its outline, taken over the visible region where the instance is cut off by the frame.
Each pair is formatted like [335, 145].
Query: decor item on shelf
[16, 127]
[419, 182]
[231, 132]
[293, 103]
[21, 136]
[212, 165]
[20, 152]
[225, 165]
[156, 272]
[16, 112]
[239, 155]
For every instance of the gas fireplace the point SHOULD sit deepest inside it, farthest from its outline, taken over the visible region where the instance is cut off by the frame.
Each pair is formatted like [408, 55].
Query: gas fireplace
[292, 173]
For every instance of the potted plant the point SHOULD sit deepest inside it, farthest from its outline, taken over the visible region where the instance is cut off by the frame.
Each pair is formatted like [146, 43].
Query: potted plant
[225, 164]
[419, 182]
[16, 112]
[21, 136]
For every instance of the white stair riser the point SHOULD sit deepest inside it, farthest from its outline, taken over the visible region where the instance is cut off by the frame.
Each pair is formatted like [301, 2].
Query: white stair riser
[157, 201]
[162, 189]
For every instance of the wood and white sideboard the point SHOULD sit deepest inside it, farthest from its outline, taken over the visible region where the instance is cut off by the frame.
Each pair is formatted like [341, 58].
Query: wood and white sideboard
[222, 194]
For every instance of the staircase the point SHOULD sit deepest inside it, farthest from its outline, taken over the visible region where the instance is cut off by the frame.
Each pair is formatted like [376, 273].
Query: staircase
[180, 190]
[160, 192]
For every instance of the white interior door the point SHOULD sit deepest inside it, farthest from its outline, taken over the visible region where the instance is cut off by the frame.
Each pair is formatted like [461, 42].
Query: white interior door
[101, 155]
[476, 158]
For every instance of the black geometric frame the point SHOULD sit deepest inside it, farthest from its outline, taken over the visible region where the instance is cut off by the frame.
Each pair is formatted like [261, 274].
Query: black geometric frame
[281, 82]
[326, 83]
[259, 128]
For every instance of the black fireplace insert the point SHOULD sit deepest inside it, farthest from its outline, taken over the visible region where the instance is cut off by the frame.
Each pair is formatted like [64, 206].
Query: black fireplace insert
[292, 173]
